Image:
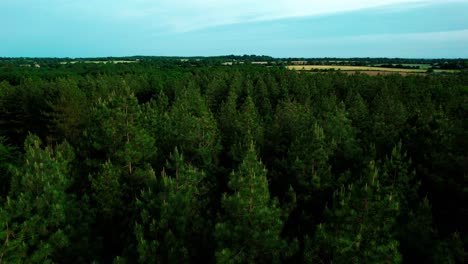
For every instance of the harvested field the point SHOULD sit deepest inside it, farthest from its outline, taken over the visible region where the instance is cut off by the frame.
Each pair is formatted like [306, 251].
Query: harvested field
[350, 68]
[371, 73]
[99, 62]
[364, 69]
[375, 73]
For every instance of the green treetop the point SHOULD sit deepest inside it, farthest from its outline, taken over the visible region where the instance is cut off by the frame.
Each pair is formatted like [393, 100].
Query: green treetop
[249, 231]
[33, 219]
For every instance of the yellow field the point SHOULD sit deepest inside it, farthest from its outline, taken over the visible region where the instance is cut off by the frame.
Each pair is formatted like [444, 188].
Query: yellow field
[361, 68]
[350, 68]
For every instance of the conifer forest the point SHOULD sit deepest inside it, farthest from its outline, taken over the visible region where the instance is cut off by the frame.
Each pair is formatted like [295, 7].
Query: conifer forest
[161, 161]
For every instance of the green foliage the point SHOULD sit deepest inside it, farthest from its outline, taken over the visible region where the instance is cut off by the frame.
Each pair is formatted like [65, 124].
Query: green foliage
[172, 219]
[313, 198]
[358, 112]
[124, 149]
[119, 132]
[34, 217]
[450, 250]
[248, 127]
[418, 234]
[311, 153]
[249, 231]
[389, 115]
[360, 225]
[190, 126]
[22, 109]
[107, 189]
[68, 110]
[7, 157]
[400, 178]
[262, 100]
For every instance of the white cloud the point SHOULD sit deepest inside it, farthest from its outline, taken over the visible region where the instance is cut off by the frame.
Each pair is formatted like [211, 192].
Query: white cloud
[187, 15]
[422, 37]
[453, 36]
[442, 44]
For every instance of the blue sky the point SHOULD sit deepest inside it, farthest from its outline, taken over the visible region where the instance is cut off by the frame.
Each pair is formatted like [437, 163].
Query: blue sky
[279, 28]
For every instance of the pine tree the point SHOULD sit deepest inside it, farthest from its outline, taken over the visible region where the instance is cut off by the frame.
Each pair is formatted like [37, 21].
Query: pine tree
[216, 91]
[249, 127]
[389, 117]
[120, 138]
[358, 112]
[119, 132]
[123, 149]
[191, 127]
[23, 108]
[312, 181]
[228, 119]
[262, 99]
[418, 234]
[360, 227]
[7, 156]
[107, 190]
[69, 110]
[33, 220]
[450, 250]
[171, 225]
[398, 176]
[249, 230]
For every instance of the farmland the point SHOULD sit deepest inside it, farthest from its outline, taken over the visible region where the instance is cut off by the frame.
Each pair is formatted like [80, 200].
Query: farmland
[99, 61]
[359, 69]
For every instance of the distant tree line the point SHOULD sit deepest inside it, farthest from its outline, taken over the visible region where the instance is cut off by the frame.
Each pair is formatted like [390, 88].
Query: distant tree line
[399, 66]
[198, 61]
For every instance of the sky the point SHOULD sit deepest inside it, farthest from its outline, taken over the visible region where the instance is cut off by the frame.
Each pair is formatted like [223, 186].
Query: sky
[278, 28]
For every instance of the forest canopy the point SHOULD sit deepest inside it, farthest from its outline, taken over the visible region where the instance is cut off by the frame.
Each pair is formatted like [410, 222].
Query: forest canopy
[162, 161]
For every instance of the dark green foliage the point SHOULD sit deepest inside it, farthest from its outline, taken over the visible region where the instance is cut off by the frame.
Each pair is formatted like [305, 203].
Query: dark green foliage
[249, 230]
[34, 217]
[7, 156]
[258, 164]
[118, 133]
[23, 109]
[171, 215]
[360, 226]
[69, 110]
[247, 127]
[124, 149]
[190, 126]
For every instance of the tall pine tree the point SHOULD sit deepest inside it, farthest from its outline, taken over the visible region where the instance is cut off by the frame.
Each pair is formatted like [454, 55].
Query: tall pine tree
[33, 220]
[360, 227]
[171, 228]
[249, 230]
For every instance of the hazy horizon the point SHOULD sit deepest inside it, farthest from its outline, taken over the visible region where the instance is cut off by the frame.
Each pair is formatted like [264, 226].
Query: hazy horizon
[428, 29]
[225, 55]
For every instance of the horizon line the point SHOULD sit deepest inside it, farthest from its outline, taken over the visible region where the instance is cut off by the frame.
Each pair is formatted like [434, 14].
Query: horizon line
[227, 55]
